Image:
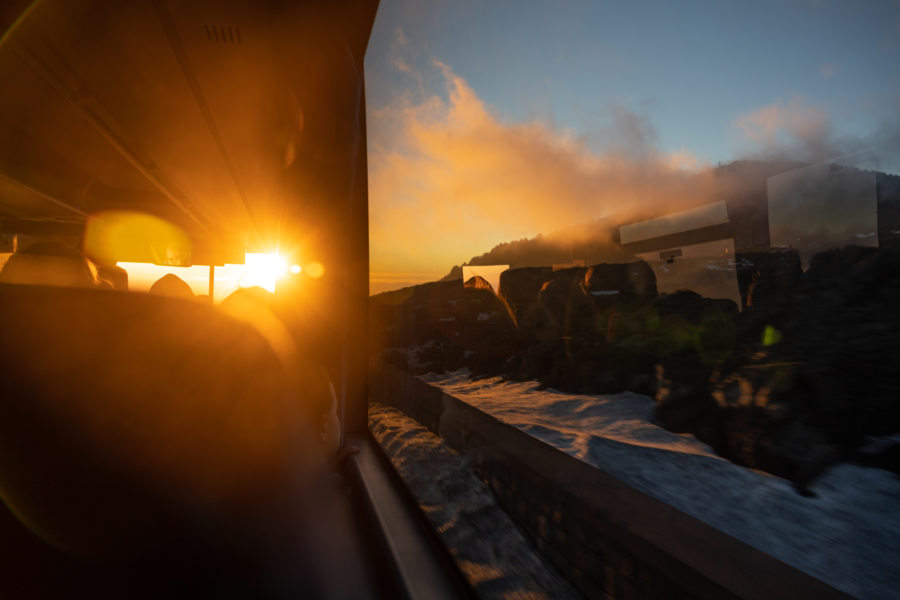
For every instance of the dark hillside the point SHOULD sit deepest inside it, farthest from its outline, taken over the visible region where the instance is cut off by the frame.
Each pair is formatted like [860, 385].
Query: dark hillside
[790, 385]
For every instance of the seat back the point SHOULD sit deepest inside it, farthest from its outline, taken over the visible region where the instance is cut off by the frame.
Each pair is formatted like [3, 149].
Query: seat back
[128, 419]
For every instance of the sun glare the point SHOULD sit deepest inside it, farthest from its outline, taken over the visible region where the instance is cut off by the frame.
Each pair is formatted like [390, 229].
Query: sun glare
[263, 270]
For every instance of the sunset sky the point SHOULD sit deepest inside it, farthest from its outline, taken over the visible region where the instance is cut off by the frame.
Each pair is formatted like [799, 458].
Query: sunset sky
[493, 121]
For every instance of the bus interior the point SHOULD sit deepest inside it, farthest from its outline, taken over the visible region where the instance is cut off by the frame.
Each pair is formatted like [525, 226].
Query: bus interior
[154, 446]
[249, 348]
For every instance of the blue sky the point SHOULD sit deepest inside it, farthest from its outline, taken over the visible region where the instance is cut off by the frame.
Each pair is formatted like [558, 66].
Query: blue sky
[692, 68]
[703, 82]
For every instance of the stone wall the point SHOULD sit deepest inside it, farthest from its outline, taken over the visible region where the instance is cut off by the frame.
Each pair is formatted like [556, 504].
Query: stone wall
[607, 538]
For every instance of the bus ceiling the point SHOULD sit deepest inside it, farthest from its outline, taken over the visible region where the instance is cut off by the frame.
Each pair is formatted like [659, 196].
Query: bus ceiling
[246, 118]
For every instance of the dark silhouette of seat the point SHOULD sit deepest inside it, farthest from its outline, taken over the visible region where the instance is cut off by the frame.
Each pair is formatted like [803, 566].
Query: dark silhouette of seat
[145, 442]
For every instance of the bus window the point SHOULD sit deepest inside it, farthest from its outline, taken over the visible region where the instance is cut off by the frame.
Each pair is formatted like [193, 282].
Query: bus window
[641, 256]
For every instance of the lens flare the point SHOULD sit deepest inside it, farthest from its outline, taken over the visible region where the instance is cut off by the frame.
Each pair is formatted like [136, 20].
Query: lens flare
[295, 269]
[128, 236]
[314, 269]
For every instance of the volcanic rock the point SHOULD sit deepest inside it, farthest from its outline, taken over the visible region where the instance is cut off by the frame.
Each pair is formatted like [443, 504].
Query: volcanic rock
[612, 283]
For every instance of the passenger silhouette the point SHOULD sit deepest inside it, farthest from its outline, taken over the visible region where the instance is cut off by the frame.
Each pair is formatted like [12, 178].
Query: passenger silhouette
[114, 276]
[49, 263]
[173, 286]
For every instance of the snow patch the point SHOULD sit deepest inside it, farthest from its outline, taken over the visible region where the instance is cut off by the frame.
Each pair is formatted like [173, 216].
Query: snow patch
[847, 535]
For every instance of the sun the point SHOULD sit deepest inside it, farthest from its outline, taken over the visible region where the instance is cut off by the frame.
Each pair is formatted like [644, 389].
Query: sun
[263, 270]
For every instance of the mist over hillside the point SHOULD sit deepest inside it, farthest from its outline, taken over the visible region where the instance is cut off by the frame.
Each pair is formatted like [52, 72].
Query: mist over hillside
[594, 242]
[741, 184]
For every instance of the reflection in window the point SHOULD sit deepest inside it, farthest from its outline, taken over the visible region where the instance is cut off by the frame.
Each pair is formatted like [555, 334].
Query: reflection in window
[822, 206]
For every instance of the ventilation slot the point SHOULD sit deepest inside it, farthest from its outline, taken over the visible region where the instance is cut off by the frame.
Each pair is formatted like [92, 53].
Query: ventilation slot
[223, 35]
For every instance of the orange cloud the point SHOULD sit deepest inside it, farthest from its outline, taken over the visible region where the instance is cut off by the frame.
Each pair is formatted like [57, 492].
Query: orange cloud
[449, 179]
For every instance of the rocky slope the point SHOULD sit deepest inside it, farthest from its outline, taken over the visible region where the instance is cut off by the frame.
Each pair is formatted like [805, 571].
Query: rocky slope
[793, 383]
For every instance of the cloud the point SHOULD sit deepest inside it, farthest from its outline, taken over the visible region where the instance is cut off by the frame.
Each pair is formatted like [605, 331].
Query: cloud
[795, 129]
[400, 38]
[685, 160]
[400, 46]
[449, 179]
[403, 55]
[628, 133]
[800, 131]
[795, 119]
[400, 64]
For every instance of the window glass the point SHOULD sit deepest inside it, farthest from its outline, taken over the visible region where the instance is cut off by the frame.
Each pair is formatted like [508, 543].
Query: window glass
[661, 239]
